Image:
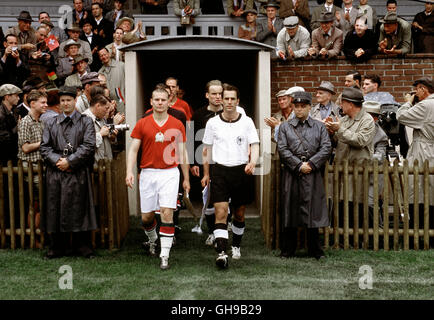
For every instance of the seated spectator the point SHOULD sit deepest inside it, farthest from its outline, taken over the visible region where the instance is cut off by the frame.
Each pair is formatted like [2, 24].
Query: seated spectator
[60, 34]
[248, 31]
[299, 8]
[81, 68]
[423, 29]
[268, 29]
[153, 6]
[101, 26]
[366, 10]
[13, 62]
[117, 13]
[88, 81]
[236, 8]
[395, 36]
[318, 11]
[212, 7]
[95, 42]
[66, 64]
[346, 17]
[360, 44]
[293, 41]
[113, 47]
[74, 34]
[325, 108]
[327, 39]
[41, 61]
[186, 8]
[25, 33]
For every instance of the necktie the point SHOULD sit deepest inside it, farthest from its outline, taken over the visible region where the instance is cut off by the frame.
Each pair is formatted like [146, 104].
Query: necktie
[347, 11]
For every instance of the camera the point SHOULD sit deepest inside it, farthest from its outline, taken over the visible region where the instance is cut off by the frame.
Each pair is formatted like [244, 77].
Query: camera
[387, 121]
[14, 49]
[119, 127]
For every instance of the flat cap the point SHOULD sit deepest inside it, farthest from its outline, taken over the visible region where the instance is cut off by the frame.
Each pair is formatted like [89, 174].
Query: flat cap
[9, 89]
[426, 81]
[281, 93]
[290, 22]
[327, 86]
[353, 95]
[372, 106]
[271, 4]
[68, 91]
[302, 97]
[326, 17]
[69, 43]
[390, 17]
[293, 90]
[90, 77]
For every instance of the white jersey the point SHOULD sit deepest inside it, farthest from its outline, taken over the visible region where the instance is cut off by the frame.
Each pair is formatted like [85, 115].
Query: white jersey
[230, 141]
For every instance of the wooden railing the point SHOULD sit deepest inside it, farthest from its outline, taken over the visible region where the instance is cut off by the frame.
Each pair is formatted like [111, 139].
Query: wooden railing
[355, 223]
[22, 201]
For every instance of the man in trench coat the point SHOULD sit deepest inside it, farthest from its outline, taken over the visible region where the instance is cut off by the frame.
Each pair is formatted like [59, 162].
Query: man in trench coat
[304, 147]
[68, 149]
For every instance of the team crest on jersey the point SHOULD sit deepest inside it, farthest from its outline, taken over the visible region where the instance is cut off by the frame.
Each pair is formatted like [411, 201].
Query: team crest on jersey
[159, 137]
[239, 140]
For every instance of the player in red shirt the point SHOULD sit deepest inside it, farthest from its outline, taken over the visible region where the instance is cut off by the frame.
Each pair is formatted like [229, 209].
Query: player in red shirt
[176, 102]
[162, 140]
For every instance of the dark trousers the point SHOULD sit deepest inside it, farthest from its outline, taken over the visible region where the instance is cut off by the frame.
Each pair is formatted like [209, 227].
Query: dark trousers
[289, 241]
[81, 243]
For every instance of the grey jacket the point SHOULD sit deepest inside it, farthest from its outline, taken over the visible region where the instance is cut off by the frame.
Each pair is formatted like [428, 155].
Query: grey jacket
[266, 36]
[299, 43]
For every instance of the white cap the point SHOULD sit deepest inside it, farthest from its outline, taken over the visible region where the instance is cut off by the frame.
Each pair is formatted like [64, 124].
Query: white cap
[292, 90]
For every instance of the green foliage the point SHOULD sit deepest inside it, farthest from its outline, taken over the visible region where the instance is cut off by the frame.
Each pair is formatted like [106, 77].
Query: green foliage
[260, 274]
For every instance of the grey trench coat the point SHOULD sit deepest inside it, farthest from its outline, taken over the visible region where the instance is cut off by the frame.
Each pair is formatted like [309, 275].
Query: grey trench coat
[303, 196]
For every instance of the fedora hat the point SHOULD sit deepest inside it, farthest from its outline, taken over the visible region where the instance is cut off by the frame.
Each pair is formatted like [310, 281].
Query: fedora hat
[352, 95]
[69, 43]
[327, 86]
[372, 107]
[426, 81]
[271, 4]
[25, 15]
[80, 58]
[250, 11]
[390, 17]
[74, 27]
[131, 21]
[326, 17]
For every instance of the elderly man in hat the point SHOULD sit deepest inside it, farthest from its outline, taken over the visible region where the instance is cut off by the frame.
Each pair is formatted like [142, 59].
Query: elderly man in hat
[118, 12]
[25, 33]
[304, 147]
[68, 148]
[423, 29]
[88, 81]
[395, 35]
[74, 34]
[293, 41]
[65, 65]
[269, 28]
[317, 13]
[237, 8]
[327, 39]
[9, 95]
[355, 132]
[420, 117]
[13, 62]
[80, 70]
[325, 108]
[248, 30]
[127, 25]
[298, 8]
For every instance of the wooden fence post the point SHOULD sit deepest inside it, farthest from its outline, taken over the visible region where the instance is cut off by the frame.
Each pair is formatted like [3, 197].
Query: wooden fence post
[11, 204]
[386, 205]
[416, 204]
[356, 192]
[396, 209]
[327, 193]
[336, 189]
[365, 205]
[21, 203]
[41, 199]
[375, 204]
[2, 212]
[346, 209]
[405, 200]
[426, 191]
[110, 203]
[31, 205]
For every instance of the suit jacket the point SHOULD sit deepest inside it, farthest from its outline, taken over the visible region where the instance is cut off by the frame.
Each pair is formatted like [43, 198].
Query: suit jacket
[248, 4]
[302, 12]
[29, 37]
[109, 16]
[84, 50]
[179, 5]
[97, 42]
[316, 15]
[266, 36]
[402, 38]
[316, 113]
[13, 74]
[333, 44]
[344, 24]
[106, 27]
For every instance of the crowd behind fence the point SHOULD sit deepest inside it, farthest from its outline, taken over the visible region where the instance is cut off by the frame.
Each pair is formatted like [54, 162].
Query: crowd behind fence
[392, 224]
[20, 227]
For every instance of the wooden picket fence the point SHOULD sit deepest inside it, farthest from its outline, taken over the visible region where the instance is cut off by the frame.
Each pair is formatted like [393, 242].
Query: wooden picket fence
[393, 233]
[19, 227]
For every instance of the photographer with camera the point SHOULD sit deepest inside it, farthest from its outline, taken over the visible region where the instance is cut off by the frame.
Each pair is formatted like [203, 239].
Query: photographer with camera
[13, 63]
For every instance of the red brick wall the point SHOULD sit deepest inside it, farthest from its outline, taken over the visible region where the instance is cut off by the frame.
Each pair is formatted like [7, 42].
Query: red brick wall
[397, 74]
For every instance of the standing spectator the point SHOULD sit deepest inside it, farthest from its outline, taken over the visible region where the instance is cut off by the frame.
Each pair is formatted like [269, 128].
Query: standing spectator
[44, 18]
[8, 123]
[360, 44]
[159, 176]
[66, 64]
[174, 101]
[68, 148]
[325, 107]
[304, 148]
[153, 6]
[423, 29]
[183, 8]
[212, 7]
[352, 79]
[53, 102]
[80, 69]
[115, 74]
[41, 61]
[236, 8]
[117, 13]
[268, 29]
[79, 12]
[23, 108]
[346, 17]
[369, 12]
[231, 141]
[101, 26]
[95, 42]
[395, 36]
[248, 30]
[113, 47]
[25, 33]
[327, 39]
[88, 81]
[30, 129]
[13, 63]
[74, 34]
[317, 13]
[299, 8]
[293, 41]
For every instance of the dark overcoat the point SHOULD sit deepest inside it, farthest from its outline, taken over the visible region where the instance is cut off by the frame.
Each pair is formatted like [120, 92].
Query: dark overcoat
[69, 201]
[303, 195]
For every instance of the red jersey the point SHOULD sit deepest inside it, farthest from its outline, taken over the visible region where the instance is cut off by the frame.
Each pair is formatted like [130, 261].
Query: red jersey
[184, 107]
[159, 144]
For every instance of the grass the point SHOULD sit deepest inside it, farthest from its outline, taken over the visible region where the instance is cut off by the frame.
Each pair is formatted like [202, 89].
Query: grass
[259, 275]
